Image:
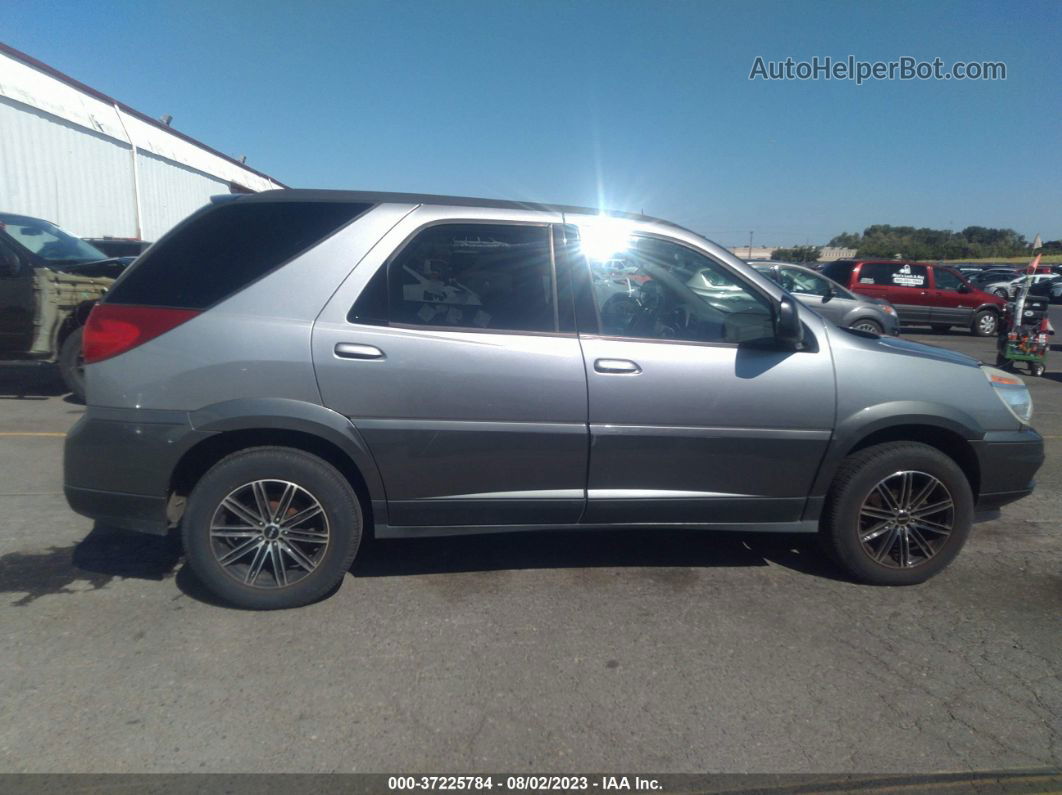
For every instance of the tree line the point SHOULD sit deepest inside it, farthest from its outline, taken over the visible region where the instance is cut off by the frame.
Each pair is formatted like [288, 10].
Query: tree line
[885, 241]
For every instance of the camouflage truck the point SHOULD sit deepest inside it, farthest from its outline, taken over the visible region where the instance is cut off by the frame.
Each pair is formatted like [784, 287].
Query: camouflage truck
[49, 281]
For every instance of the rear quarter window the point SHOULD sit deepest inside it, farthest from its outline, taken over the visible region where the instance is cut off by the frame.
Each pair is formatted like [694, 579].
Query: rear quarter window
[840, 271]
[223, 249]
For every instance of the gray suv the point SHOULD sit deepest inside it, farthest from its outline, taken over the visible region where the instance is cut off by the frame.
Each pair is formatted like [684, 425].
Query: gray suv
[285, 372]
[831, 300]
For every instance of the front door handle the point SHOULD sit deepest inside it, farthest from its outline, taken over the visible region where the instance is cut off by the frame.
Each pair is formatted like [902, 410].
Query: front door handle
[617, 366]
[352, 350]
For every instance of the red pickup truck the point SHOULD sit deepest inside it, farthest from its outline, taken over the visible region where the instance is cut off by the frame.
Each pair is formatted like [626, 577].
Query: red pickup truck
[923, 294]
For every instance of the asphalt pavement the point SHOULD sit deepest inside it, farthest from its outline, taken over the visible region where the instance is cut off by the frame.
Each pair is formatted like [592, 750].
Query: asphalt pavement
[607, 651]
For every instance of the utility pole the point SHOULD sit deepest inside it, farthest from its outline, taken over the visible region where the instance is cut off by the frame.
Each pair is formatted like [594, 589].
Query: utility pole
[750, 244]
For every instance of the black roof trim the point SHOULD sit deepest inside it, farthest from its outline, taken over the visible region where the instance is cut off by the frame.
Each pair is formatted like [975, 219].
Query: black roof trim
[374, 197]
[29, 60]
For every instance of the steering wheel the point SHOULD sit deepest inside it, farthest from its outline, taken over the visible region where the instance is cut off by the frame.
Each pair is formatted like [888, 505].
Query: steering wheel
[620, 312]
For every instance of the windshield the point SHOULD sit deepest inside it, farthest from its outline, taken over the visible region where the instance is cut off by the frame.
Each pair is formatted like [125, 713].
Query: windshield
[48, 241]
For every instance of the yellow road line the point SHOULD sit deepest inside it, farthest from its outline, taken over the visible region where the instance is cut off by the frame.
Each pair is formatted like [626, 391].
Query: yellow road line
[31, 433]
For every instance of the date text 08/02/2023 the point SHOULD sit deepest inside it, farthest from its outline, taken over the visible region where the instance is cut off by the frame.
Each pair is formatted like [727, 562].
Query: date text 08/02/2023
[525, 783]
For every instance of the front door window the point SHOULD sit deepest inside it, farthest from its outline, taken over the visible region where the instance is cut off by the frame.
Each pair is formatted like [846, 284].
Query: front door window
[662, 290]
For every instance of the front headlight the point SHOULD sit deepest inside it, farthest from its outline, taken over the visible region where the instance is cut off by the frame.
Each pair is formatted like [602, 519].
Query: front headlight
[1012, 391]
[888, 309]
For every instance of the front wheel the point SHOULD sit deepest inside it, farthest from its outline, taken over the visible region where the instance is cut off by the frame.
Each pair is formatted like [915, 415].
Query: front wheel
[868, 325]
[985, 323]
[897, 514]
[72, 364]
[271, 527]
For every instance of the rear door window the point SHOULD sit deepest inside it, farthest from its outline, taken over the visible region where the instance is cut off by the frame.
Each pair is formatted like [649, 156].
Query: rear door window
[840, 271]
[878, 274]
[481, 277]
[910, 276]
[224, 248]
[886, 274]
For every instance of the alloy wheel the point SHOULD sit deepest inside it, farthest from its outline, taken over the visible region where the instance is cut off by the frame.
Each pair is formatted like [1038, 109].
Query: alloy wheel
[906, 519]
[987, 324]
[269, 533]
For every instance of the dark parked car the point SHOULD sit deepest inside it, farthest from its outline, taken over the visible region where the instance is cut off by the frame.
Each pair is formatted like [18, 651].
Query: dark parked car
[49, 281]
[830, 299]
[119, 246]
[923, 294]
[288, 371]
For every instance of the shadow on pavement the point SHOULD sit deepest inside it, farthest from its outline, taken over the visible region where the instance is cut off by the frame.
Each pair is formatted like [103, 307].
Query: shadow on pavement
[650, 548]
[107, 553]
[102, 555]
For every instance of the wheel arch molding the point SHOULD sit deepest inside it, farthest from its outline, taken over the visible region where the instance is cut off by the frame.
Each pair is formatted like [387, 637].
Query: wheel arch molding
[943, 427]
[242, 423]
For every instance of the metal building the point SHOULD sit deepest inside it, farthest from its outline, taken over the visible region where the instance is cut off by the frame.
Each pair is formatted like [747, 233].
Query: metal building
[76, 157]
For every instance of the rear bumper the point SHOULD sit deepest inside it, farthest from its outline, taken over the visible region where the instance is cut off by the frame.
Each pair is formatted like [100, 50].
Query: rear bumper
[118, 465]
[125, 511]
[1008, 461]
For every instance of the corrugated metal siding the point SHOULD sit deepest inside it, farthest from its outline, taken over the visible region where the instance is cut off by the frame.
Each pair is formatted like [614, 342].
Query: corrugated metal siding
[66, 155]
[169, 192]
[52, 169]
[27, 85]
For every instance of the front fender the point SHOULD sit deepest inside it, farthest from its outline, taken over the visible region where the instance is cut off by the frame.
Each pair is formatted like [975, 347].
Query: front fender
[852, 429]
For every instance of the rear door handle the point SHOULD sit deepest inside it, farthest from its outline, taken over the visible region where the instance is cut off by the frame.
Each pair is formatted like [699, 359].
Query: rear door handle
[617, 366]
[352, 350]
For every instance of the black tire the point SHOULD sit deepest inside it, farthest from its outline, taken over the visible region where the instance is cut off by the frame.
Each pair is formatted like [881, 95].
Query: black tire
[868, 325]
[980, 325]
[941, 327]
[843, 521]
[72, 364]
[341, 519]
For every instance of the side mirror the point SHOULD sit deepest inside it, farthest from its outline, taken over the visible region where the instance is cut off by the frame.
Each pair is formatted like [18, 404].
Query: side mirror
[788, 329]
[9, 263]
[964, 288]
[829, 294]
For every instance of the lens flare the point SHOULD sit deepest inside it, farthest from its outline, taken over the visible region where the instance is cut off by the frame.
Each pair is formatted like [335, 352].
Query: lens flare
[604, 237]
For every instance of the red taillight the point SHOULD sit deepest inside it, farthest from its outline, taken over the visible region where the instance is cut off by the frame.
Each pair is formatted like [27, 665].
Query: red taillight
[113, 328]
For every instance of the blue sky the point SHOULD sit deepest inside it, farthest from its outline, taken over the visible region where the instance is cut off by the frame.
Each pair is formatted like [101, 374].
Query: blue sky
[644, 105]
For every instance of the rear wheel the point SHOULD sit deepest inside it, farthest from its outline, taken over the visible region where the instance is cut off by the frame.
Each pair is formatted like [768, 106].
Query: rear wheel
[72, 364]
[985, 323]
[868, 325]
[897, 514]
[271, 527]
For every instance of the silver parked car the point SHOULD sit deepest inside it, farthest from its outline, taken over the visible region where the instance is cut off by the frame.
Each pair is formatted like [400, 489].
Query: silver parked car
[285, 372]
[831, 300]
[1052, 286]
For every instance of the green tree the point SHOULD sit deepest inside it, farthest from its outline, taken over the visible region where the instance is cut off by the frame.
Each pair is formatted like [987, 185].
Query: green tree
[884, 240]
